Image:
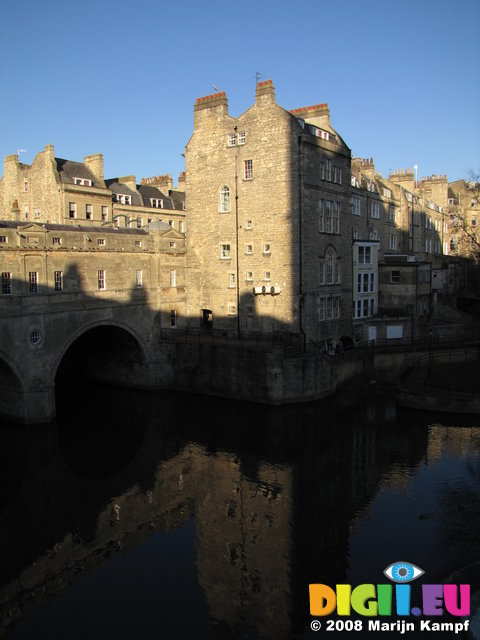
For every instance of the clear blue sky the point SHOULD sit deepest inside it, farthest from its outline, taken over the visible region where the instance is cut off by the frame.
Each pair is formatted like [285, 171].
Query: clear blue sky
[120, 78]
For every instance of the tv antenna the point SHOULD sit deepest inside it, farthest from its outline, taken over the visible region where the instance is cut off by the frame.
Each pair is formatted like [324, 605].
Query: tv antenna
[19, 151]
[258, 75]
[215, 87]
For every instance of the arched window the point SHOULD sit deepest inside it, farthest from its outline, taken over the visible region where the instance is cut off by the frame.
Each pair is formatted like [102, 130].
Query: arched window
[330, 266]
[224, 199]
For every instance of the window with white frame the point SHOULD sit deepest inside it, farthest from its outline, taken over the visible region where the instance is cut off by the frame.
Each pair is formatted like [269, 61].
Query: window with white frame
[337, 175]
[375, 210]
[104, 214]
[328, 216]
[36, 213]
[321, 216]
[139, 222]
[6, 283]
[321, 271]
[181, 226]
[225, 251]
[356, 206]
[138, 243]
[25, 187]
[241, 137]
[364, 255]
[266, 248]
[232, 310]
[58, 280]
[336, 217]
[157, 203]
[393, 242]
[249, 276]
[321, 309]
[173, 318]
[33, 281]
[248, 169]
[173, 278]
[101, 279]
[330, 308]
[249, 249]
[395, 277]
[231, 280]
[172, 245]
[248, 224]
[56, 242]
[84, 182]
[267, 276]
[72, 210]
[88, 212]
[123, 198]
[391, 213]
[387, 193]
[26, 211]
[331, 276]
[224, 199]
[101, 242]
[328, 170]
[138, 278]
[232, 139]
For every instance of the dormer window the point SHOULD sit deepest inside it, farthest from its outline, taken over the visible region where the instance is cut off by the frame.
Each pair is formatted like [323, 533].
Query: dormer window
[123, 198]
[157, 203]
[83, 182]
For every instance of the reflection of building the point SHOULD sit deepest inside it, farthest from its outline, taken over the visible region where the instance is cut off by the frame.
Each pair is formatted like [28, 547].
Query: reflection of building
[268, 208]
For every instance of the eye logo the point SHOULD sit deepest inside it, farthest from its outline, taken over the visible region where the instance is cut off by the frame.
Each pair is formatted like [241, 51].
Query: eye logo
[403, 572]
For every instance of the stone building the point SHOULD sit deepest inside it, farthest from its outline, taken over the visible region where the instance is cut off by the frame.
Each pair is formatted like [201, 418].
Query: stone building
[41, 263]
[269, 243]
[57, 191]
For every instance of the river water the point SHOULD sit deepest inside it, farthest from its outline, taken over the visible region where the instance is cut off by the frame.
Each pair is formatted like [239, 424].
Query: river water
[141, 515]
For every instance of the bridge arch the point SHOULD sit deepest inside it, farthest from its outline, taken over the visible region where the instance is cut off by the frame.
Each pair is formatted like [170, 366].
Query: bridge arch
[104, 350]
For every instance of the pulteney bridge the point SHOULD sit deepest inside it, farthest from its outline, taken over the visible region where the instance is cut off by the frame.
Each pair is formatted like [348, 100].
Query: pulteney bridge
[112, 339]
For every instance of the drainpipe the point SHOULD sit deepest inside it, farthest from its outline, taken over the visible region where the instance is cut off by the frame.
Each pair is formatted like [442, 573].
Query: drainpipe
[236, 232]
[300, 223]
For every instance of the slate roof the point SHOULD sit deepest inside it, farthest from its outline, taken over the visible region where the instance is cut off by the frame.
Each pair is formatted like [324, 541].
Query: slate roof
[147, 192]
[120, 187]
[68, 170]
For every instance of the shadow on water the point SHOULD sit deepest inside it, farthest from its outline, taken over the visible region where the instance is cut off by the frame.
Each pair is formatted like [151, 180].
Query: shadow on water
[136, 506]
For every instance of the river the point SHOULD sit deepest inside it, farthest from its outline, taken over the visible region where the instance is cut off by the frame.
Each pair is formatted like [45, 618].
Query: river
[164, 515]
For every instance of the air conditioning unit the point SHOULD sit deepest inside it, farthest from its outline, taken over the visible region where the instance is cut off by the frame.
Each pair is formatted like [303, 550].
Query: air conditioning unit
[264, 289]
[275, 290]
[258, 290]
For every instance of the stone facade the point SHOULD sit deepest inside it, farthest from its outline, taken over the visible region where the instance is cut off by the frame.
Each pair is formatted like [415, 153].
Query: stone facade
[101, 262]
[268, 205]
[56, 191]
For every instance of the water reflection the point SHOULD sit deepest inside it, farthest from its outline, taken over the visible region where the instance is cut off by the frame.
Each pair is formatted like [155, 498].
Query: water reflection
[121, 520]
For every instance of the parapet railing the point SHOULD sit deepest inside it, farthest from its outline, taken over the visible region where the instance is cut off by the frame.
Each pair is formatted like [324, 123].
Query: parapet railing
[296, 344]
